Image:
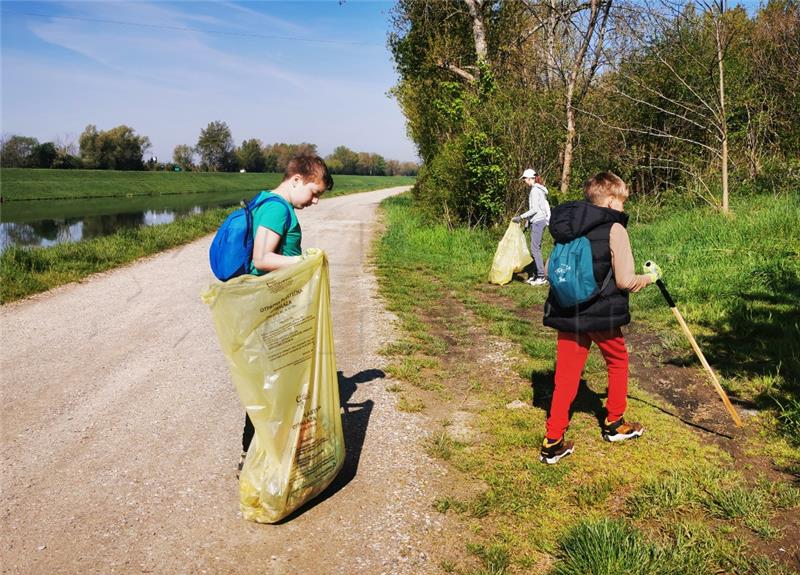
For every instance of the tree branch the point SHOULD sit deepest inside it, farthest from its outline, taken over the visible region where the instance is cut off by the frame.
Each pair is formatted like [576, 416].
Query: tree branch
[598, 49]
[456, 70]
[649, 132]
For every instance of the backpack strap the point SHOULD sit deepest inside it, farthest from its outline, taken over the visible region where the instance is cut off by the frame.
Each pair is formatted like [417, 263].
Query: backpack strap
[604, 285]
[249, 209]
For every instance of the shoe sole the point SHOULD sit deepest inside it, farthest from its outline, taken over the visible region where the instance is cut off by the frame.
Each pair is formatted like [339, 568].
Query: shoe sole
[623, 436]
[555, 458]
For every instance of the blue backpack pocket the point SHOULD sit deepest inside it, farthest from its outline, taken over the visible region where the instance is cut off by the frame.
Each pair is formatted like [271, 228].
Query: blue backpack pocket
[571, 273]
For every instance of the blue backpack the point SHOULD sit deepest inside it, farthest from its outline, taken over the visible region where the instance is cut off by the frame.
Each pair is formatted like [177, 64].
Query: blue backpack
[231, 250]
[571, 274]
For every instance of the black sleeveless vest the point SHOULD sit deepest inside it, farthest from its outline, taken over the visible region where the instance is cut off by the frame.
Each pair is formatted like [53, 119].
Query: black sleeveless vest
[610, 308]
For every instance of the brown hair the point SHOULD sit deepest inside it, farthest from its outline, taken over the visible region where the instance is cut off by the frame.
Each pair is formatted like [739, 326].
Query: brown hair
[605, 185]
[537, 179]
[309, 168]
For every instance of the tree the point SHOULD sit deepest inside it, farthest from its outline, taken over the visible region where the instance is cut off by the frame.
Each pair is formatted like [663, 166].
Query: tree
[251, 156]
[89, 149]
[66, 153]
[671, 95]
[392, 168]
[216, 147]
[343, 160]
[408, 169]
[18, 152]
[446, 52]
[675, 87]
[574, 33]
[45, 155]
[370, 164]
[183, 157]
[116, 149]
[277, 156]
[775, 53]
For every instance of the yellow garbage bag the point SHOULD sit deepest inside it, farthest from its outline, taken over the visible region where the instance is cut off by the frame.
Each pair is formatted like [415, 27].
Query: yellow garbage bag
[512, 255]
[276, 333]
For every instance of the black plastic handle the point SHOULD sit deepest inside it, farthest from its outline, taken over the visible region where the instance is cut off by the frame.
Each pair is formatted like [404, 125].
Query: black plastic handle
[665, 293]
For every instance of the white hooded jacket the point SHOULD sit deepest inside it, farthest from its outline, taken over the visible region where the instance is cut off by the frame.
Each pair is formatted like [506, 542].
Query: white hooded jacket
[539, 207]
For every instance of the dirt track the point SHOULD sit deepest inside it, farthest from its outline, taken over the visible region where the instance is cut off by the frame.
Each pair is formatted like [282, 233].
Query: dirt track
[121, 430]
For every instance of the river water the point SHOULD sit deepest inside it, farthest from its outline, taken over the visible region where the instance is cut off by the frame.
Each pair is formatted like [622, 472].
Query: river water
[51, 222]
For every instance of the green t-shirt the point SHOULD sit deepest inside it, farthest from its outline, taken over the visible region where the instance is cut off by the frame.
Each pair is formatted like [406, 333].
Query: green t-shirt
[272, 215]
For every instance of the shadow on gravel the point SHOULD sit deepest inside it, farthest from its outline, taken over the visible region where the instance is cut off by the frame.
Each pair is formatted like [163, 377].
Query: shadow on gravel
[355, 420]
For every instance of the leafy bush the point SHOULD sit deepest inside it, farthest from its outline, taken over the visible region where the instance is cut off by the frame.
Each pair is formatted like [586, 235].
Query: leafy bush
[440, 180]
[486, 179]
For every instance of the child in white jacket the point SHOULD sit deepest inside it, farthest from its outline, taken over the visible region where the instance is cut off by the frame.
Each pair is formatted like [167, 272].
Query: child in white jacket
[538, 216]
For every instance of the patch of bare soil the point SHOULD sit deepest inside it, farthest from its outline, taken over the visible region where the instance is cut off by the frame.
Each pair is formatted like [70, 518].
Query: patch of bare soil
[473, 363]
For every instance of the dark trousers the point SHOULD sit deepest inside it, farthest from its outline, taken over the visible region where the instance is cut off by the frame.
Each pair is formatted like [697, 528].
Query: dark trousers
[536, 267]
[247, 433]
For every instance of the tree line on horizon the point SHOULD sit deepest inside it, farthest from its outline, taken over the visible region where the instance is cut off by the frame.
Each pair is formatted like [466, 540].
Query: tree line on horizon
[120, 148]
[695, 98]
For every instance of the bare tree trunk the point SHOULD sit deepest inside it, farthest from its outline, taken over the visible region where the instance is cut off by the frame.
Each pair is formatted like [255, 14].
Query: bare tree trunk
[475, 8]
[552, 23]
[723, 120]
[577, 66]
[569, 143]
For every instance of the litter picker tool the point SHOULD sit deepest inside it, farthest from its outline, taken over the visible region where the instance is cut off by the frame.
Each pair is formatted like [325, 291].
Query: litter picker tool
[650, 267]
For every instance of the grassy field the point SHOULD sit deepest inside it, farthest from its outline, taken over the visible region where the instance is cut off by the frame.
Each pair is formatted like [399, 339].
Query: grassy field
[26, 271]
[19, 184]
[671, 502]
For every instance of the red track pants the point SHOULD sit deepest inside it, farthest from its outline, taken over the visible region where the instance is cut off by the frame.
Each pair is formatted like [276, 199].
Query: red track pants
[573, 349]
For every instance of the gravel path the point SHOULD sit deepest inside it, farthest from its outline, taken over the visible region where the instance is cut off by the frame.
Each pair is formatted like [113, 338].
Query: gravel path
[121, 430]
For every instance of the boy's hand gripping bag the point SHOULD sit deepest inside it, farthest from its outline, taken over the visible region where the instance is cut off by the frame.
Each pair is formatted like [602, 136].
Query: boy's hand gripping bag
[512, 255]
[276, 333]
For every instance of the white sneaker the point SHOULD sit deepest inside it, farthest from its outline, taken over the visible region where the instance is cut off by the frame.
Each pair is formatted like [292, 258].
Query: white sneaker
[537, 281]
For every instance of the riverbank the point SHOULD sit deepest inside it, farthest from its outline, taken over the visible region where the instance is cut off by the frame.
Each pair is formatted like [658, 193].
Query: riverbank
[27, 271]
[23, 184]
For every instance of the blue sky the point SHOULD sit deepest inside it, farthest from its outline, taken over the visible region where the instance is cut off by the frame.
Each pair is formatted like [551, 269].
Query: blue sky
[284, 71]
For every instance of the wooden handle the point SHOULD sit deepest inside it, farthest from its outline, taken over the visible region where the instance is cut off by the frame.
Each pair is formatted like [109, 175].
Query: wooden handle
[714, 380]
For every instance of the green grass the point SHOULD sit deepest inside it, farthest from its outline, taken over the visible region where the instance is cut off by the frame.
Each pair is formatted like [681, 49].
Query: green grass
[669, 492]
[737, 283]
[20, 184]
[669, 503]
[410, 405]
[495, 558]
[613, 546]
[443, 446]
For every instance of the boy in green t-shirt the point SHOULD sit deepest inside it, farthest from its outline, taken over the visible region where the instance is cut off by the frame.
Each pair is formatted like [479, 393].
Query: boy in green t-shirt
[277, 237]
[277, 234]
